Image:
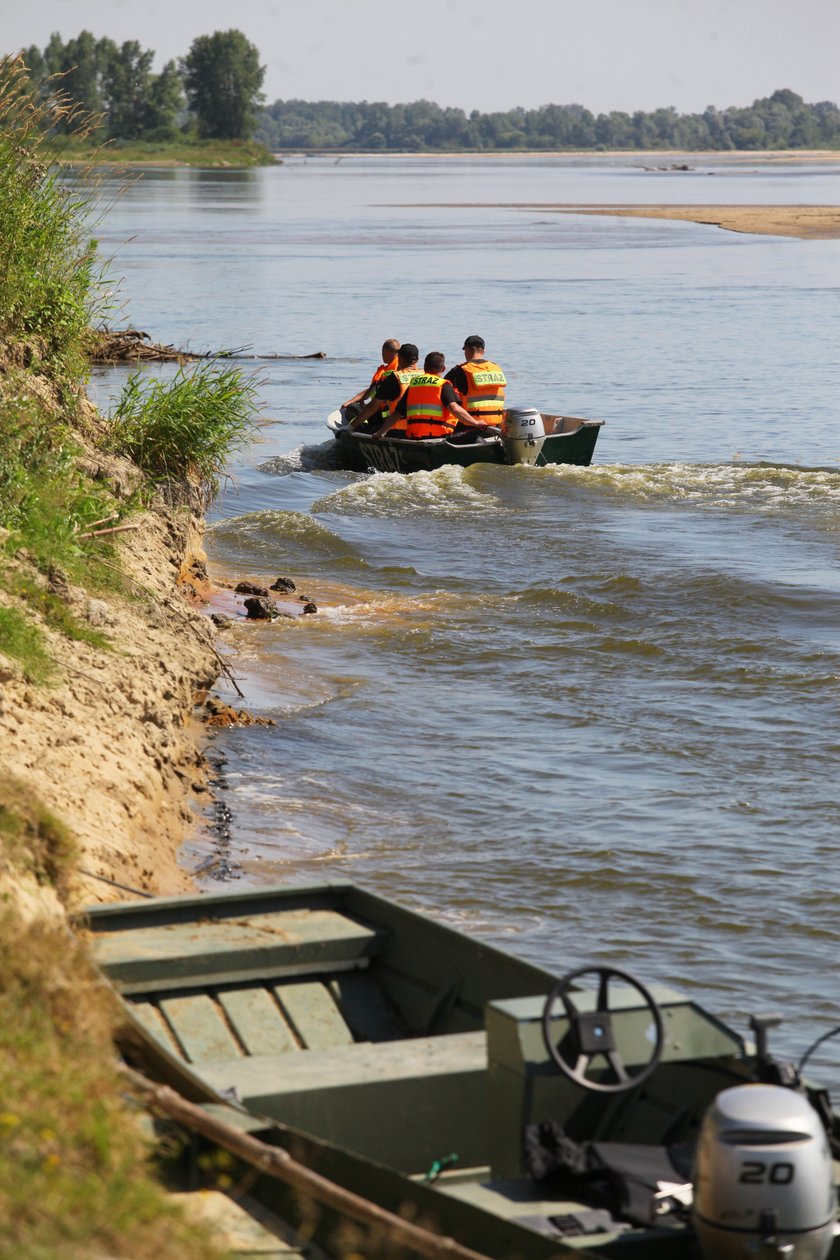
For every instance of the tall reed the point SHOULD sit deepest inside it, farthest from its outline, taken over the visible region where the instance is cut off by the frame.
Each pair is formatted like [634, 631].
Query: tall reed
[181, 431]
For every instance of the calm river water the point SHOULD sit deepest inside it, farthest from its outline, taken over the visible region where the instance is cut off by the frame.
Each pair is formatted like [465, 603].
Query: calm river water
[588, 714]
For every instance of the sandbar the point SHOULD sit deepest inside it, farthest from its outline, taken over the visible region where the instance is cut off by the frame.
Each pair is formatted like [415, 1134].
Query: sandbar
[807, 222]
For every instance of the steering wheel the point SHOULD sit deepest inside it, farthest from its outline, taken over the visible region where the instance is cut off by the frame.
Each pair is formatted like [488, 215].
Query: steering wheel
[590, 1034]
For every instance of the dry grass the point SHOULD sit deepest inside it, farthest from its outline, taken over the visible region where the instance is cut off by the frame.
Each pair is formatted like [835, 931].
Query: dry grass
[75, 1180]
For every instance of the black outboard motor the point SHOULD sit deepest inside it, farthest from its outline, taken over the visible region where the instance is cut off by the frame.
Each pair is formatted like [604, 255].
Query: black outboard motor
[763, 1177]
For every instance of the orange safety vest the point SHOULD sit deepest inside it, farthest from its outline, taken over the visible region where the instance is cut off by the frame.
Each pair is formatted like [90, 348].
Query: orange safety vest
[404, 376]
[380, 372]
[425, 412]
[485, 396]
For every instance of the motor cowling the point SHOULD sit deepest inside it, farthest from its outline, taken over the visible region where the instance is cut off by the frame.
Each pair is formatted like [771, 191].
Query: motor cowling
[763, 1183]
[523, 434]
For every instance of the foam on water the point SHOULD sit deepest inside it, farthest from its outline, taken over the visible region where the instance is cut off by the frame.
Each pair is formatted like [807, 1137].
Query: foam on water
[766, 489]
[446, 491]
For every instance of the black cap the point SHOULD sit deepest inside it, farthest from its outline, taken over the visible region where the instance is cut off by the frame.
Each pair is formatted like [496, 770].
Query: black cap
[475, 341]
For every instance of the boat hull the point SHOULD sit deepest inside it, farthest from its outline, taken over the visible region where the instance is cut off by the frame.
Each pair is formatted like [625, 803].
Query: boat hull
[360, 452]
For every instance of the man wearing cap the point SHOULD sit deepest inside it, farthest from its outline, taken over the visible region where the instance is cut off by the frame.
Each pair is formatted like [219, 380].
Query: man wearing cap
[388, 393]
[388, 364]
[480, 383]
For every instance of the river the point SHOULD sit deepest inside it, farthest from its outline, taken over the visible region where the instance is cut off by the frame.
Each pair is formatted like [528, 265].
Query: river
[587, 714]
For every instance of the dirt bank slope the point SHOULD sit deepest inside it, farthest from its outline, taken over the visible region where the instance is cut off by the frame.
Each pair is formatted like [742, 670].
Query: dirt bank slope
[111, 746]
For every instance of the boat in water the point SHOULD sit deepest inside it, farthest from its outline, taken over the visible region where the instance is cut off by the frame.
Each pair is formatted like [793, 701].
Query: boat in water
[528, 436]
[449, 1083]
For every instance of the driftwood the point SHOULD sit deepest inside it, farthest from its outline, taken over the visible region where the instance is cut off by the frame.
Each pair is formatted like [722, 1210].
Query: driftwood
[129, 345]
[275, 1162]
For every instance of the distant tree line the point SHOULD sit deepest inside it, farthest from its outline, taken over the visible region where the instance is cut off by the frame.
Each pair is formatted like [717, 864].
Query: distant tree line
[780, 121]
[213, 92]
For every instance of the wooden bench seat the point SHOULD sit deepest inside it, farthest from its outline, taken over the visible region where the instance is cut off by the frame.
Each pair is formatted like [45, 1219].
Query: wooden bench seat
[216, 950]
[405, 1102]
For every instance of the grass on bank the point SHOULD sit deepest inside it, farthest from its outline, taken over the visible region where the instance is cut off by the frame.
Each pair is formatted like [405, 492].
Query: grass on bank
[236, 154]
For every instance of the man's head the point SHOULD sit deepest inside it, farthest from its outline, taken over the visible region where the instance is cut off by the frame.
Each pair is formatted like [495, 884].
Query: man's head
[435, 363]
[408, 355]
[473, 347]
[390, 348]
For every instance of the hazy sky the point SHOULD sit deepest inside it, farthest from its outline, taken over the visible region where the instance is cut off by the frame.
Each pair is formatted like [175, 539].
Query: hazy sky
[604, 54]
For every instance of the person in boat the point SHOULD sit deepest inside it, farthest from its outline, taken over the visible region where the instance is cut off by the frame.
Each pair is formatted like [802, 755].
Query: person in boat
[390, 349]
[388, 393]
[480, 383]
[430, 405]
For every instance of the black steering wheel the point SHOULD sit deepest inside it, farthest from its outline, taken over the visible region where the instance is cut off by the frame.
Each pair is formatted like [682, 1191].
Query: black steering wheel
[590, 1034]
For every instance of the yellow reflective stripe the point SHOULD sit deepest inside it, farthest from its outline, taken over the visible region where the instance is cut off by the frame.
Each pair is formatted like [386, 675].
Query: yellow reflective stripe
[429, 411]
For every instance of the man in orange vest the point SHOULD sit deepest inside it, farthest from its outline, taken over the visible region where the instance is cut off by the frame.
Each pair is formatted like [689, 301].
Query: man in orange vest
[480, 383]
[388, 393]
[430, 404]
[388, 364]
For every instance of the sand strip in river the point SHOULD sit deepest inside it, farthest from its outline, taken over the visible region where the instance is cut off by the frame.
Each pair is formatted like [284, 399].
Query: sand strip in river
[807, 222]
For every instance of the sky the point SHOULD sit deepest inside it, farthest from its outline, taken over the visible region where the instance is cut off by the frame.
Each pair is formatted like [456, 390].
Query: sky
[603, 54]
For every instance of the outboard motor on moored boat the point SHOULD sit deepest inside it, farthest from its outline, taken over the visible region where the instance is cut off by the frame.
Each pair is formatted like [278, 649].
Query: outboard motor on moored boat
[523, 435]
[763, 1180]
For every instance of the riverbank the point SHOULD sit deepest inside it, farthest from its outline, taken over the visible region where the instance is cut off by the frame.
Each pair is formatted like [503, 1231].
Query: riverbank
[110, 746]
[204, 154]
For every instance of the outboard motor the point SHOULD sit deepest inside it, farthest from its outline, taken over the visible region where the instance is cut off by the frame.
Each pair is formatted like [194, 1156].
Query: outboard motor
[523, 435]
[763, 1184]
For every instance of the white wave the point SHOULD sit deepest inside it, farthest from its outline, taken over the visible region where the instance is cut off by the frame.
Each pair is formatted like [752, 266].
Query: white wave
[730, 487]
[446, 490]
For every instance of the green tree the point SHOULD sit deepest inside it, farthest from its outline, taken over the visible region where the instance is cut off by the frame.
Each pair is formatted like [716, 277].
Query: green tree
[223, 78]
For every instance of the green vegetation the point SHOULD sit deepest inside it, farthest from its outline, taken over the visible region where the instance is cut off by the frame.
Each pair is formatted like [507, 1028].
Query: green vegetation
[181, 152]
[115, 89]
[113, 86]
[49, 297]
[223, 78]
[47, 278]
[781, 121]
[181, 431]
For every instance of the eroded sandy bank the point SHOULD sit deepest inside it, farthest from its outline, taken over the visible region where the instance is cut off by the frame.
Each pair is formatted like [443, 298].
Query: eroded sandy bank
[111, 746]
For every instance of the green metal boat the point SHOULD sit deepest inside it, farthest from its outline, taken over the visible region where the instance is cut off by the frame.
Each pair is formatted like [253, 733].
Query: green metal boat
[530, 437]
[454, 1084]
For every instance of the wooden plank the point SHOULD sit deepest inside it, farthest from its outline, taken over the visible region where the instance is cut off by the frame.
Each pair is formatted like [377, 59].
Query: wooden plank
[147, 1014]
[200, 1029]
[313, 1014]
[257, 1020]
[368, 1013]
[197, 951]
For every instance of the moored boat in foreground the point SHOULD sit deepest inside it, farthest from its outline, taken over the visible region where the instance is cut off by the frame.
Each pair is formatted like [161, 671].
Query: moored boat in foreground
[528, 437]
[445, 1080]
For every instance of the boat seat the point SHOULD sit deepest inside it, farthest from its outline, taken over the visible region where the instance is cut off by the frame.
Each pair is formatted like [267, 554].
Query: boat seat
[227, 1022]
[254, 946]
[420, 1097]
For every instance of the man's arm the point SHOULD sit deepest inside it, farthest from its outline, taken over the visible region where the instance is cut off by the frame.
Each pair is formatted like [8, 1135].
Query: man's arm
[384, 392]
